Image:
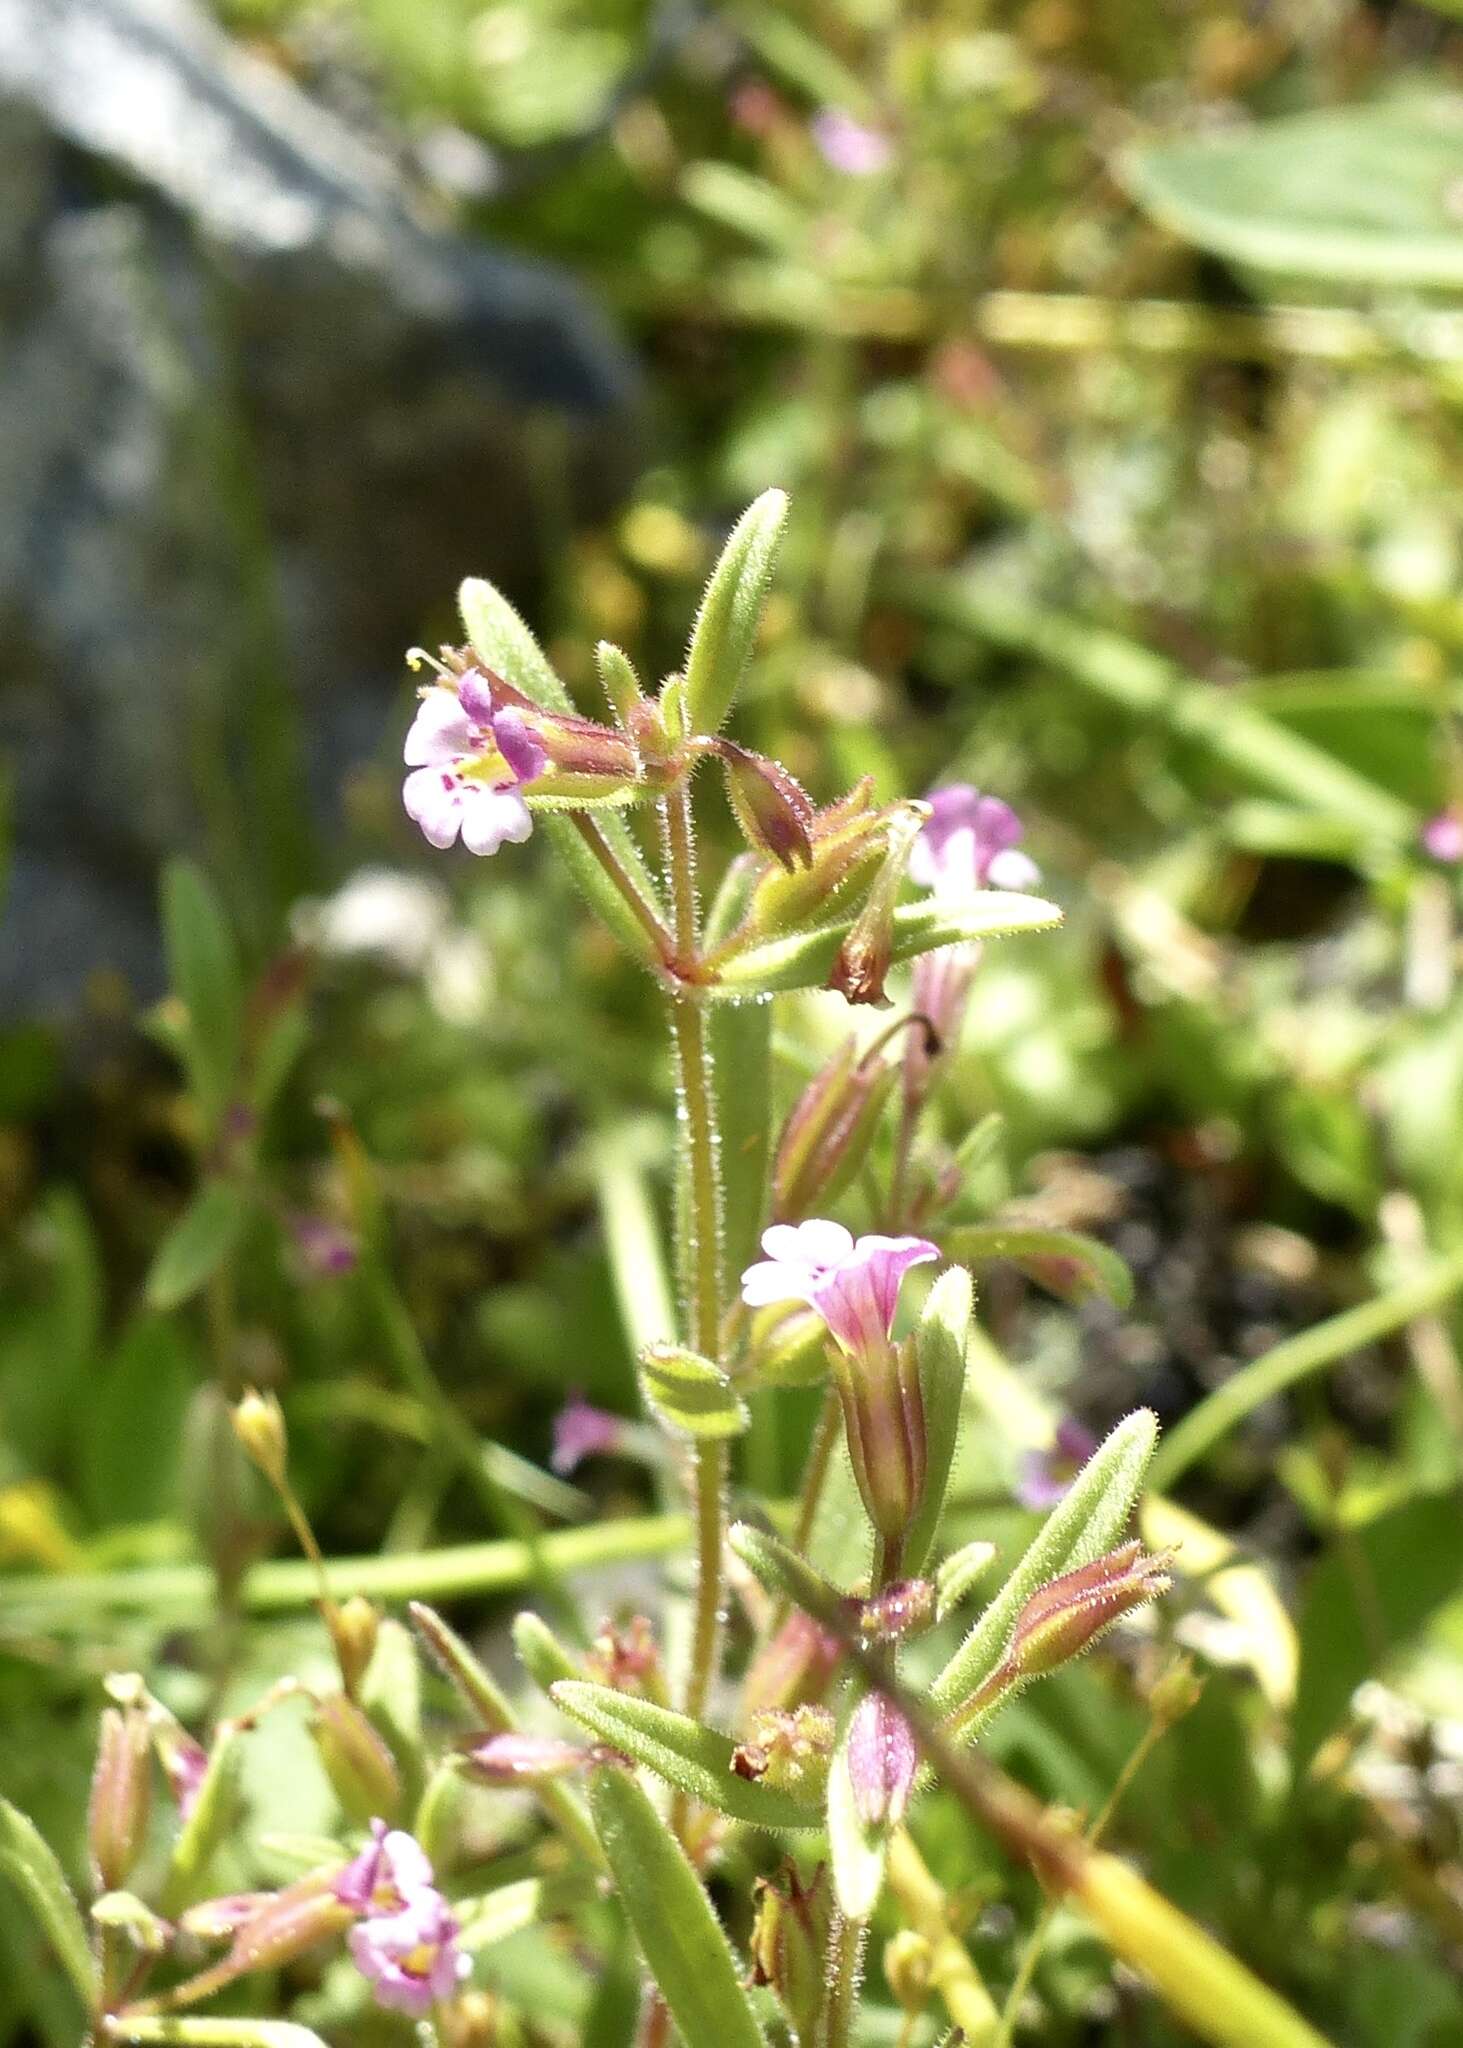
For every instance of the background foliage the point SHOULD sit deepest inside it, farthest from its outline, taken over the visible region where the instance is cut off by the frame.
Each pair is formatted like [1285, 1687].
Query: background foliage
[1119, 402]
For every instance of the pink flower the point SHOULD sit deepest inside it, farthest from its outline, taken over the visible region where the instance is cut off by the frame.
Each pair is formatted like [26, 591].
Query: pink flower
[853, 1286]
[850, 146]
[1442, 837]
[468, 761]
[968, 843]
[411, 1959]
[388, 1874]
[583, 1431]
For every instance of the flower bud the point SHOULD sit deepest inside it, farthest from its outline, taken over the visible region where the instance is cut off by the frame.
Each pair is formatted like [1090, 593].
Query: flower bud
[864, 957]
[907, 1961]
[828, 1132]
[286, 1923]
[884, 1423]
[517, 1759]
[1176, 1693]
[354, 1627]
[846, 839]
[789, 1944]
[900, 1610]
[124, 1913]
[795, 1668]
[1064, 1618]
[627, 1658]
[577, 757]
[790, 1750]
[882, 1760]
[773, 810]
[258, 1422]
[357, 1762]
[940, 995]
[121, 1795]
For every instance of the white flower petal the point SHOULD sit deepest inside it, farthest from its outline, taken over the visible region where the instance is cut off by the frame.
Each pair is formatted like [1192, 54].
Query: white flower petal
[769, 1281]
[1012, 869]
[433, 798]
[440, 732]
[821, 1243]
[491, 816]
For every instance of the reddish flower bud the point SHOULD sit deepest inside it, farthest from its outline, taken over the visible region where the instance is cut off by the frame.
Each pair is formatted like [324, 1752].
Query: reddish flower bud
[884, 1422]
[1065, 1617]
[789, 1944]
[791, 1750]
[882, 1760]
[903, 1609]
[515, 1759]
[774, 811]
[357, 1762]
[828, 1132]
[864, 957]
[121, 1795]
[288, 1922]
[795, 1668]
[847, 839]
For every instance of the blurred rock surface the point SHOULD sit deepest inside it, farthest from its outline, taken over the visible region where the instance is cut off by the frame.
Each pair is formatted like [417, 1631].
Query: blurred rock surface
[256, 416]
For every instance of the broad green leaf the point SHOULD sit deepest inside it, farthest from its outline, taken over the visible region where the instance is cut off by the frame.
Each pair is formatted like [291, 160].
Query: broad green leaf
[857, 1852]
[190, 2032]
[805, 959]
[741, 1072]
[1087, 1522]
[133, 1423]
[30, 1863]
[696, 1760]
[687, 1953]
[504, 643]
[726, 625]
[489, 1703]
[540, 1652]
[391, 1695]
[497, 1914]
[1404, 1566]
[210, 1824]
[203, 967]
[1066, 1262]
[1356, 195]
[197, 1244]
[940, 1340]
[747, 204]
[690, 1396]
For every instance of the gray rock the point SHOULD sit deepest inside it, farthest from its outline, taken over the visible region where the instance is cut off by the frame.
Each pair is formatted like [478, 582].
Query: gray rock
[256, 416]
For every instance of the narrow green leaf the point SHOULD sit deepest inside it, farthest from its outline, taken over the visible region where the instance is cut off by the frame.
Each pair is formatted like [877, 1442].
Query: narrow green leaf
[572, 840]
[30, 1863]
[197, 1244]
[805, 959]
[958, 1573]
[696, 1760]
[457, 1663]
[726, 625]
[783, 1572]
[190, 2032]
[679, 1935]
[391, 1697]
[208, 1826]
[504, 643]
[741, 1069]
[857, 1852]
[203, 967]
[497, 1914]
[747, 204]
[690, 1396]
[1088, 1521]
[540, 1652]
[632, 1235]
[619, 681]
[1068, 1263]
[940, 1341]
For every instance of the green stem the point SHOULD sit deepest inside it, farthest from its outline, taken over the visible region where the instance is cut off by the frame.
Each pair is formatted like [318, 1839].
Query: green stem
[845, 1970]
[699, 1229]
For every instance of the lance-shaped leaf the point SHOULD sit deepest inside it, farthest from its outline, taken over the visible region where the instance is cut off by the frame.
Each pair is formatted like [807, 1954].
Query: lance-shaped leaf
[1085, 1524]
[30, 1863]
[944, 1329]
[689, 1395]
[1066, 1262]
[197, 1244]
[540, 1652]
[696, 1760]
[805, 959]
[210, 1822]
[958, 1573]
[504, 643]
[687, 1954]
[785, 1574]
[726, 625]
[191, 2032]
[203, 968]
[457, 1663]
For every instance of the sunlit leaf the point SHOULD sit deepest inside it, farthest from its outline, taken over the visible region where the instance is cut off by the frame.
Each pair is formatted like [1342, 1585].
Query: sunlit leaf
[197, 1244]
[940, 1341]
[731, 610]
[695, 1759]
[30, 1864]
[805, 959]
[689, 1395]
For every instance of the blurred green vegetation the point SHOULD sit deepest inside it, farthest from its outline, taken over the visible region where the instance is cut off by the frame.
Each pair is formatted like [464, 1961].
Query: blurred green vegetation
[1119, 391]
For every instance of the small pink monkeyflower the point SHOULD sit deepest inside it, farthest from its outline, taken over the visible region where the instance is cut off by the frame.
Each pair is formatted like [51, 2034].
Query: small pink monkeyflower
[1442, 837]
[969, 842]
[854, 1286]
[882, 1760]
[583, 1431]
[391, 1871]
[1046, 1476]
[850, 146]
[411, 1959]
[468, 762]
